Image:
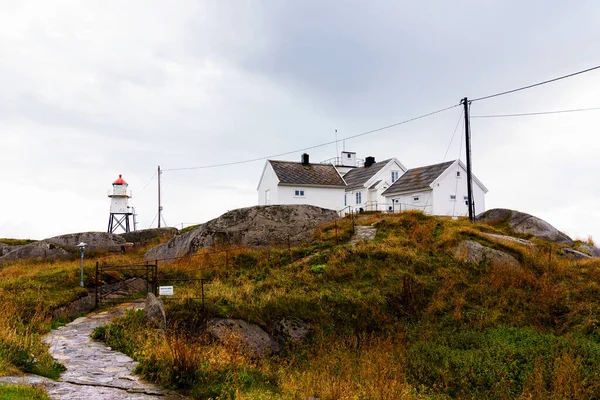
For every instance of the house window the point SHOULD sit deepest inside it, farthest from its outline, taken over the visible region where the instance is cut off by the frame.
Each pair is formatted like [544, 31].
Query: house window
[345, 200]
[394, 176]
[299, 193]
[416, 199]
[458, 174]
[466, 198]
[358, 198]
[267, 196]
[452, 197]
[349, 155]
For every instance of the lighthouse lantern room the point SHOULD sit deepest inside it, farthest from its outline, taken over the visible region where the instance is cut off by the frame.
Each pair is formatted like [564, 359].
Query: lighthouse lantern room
[119, 207]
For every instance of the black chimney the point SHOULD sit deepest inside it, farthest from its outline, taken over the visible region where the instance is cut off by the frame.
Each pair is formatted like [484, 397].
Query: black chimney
[369, 161]
[305, 159]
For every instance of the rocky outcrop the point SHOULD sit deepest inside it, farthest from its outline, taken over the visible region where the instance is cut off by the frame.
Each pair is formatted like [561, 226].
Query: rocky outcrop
[252, 226]
[523, 223]
[65, 246]
[590, 250]
[252, 338]
[94, 241]
[7, 248]
[291, 330]
[576, 255]
[473, 252]
[154, 312]
[500, 238]
[38, 250]
[146, 236]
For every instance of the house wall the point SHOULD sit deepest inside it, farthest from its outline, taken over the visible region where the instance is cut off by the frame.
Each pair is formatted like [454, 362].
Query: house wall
[331, 198]
[450, 184]
[406, 202]
[269, 181]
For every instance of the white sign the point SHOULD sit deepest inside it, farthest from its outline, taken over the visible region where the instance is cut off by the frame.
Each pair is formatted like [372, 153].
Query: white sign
[165, 290]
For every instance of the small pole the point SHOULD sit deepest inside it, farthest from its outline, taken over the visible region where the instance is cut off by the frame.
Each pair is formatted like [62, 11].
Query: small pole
[159, 205]
[202, 282]
[336, 234]
[156, 277]
[470, 201]
[81, 247]
[96, 286]
[147, 278]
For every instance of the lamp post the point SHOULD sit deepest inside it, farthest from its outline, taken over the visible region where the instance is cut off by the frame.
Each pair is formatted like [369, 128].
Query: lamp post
[81, 247]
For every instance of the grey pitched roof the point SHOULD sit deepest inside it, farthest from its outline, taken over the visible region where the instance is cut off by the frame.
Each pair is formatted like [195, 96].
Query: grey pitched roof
[294, 173]
[418, 178]
[357, 177]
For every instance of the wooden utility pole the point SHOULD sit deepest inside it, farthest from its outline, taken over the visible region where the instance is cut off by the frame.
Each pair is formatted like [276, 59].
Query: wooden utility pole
[470, 202]
[159, 205]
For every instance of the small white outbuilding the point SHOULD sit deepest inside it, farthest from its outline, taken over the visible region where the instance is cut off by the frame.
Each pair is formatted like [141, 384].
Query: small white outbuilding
[439, 189]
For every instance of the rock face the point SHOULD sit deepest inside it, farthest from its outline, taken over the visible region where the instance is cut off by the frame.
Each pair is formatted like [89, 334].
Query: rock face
[6, 248]
[525, 224]
[154, 312]
[253, 338]
[291, 330]
[145, 236]
[500, 238]
[577, 255]
[65, 246]
[252, 226]
[592, 251]
[94, 240]
[38, 250]
[473, 252]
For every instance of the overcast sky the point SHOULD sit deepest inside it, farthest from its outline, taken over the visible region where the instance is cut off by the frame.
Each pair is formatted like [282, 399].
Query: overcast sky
[94, 89]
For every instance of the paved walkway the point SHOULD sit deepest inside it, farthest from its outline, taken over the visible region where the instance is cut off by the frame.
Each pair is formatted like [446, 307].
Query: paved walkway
[362, 233]
[94, 371]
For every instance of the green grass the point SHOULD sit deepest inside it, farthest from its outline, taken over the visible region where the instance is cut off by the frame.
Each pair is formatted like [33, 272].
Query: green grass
[398, 317]
[16, 242]
[20, 392]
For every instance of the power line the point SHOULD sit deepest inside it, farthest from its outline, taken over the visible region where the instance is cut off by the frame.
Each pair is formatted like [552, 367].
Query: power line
[453, 134]
[537, 84]
[535, 113]
[315, 146]
[146, 185]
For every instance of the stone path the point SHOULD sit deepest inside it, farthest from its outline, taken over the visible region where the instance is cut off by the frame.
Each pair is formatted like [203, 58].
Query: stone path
[94, 371]
[362, 233]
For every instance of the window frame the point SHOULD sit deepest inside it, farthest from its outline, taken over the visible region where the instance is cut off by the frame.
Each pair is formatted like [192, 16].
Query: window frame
[358, 197]
[299, 193]
[416, 199]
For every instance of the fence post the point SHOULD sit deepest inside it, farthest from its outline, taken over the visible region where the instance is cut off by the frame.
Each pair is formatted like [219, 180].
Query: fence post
[96, 287]
[156, 277]
[336, 234]
[202, 282]
[147, 278]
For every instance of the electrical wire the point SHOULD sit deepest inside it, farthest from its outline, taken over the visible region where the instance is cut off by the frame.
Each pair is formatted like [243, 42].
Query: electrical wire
[453, 134]
[146, 185]
[315, 146]
[536, 84]
[536, 113]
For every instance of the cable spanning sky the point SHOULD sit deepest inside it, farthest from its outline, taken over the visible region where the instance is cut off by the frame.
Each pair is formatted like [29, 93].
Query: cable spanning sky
[91, 90]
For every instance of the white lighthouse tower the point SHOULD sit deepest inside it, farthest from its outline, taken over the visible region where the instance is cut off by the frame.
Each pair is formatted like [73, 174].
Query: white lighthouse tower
[119, 207]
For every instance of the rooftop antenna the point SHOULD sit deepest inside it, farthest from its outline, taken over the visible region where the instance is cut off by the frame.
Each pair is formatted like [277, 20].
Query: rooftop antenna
[337, 152]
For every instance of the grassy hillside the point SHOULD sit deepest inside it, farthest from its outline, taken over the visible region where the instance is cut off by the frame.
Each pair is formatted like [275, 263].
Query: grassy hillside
[399, 317]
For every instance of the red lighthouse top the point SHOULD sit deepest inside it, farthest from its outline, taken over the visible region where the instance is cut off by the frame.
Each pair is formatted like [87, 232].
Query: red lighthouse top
[120, 181]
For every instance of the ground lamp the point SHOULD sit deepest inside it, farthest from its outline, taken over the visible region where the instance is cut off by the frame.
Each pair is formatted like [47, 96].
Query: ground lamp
[81, 247]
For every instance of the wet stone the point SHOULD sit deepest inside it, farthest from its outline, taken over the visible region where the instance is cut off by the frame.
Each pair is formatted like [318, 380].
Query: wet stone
[94, 371]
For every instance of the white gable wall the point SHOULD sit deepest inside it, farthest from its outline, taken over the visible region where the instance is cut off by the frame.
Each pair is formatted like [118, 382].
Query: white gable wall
[449, 184]
[372, 200]
[269, 181]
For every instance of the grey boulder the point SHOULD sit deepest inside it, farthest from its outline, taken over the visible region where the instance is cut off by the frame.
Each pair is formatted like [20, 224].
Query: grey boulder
[524, 223]
[154, 312]
[252, 339]
[473, 252]
[38, 250]
[251, 226]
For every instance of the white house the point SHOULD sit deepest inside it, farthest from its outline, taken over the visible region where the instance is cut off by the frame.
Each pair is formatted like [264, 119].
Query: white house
[439, 189]
[287, 182]
[366, 184]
